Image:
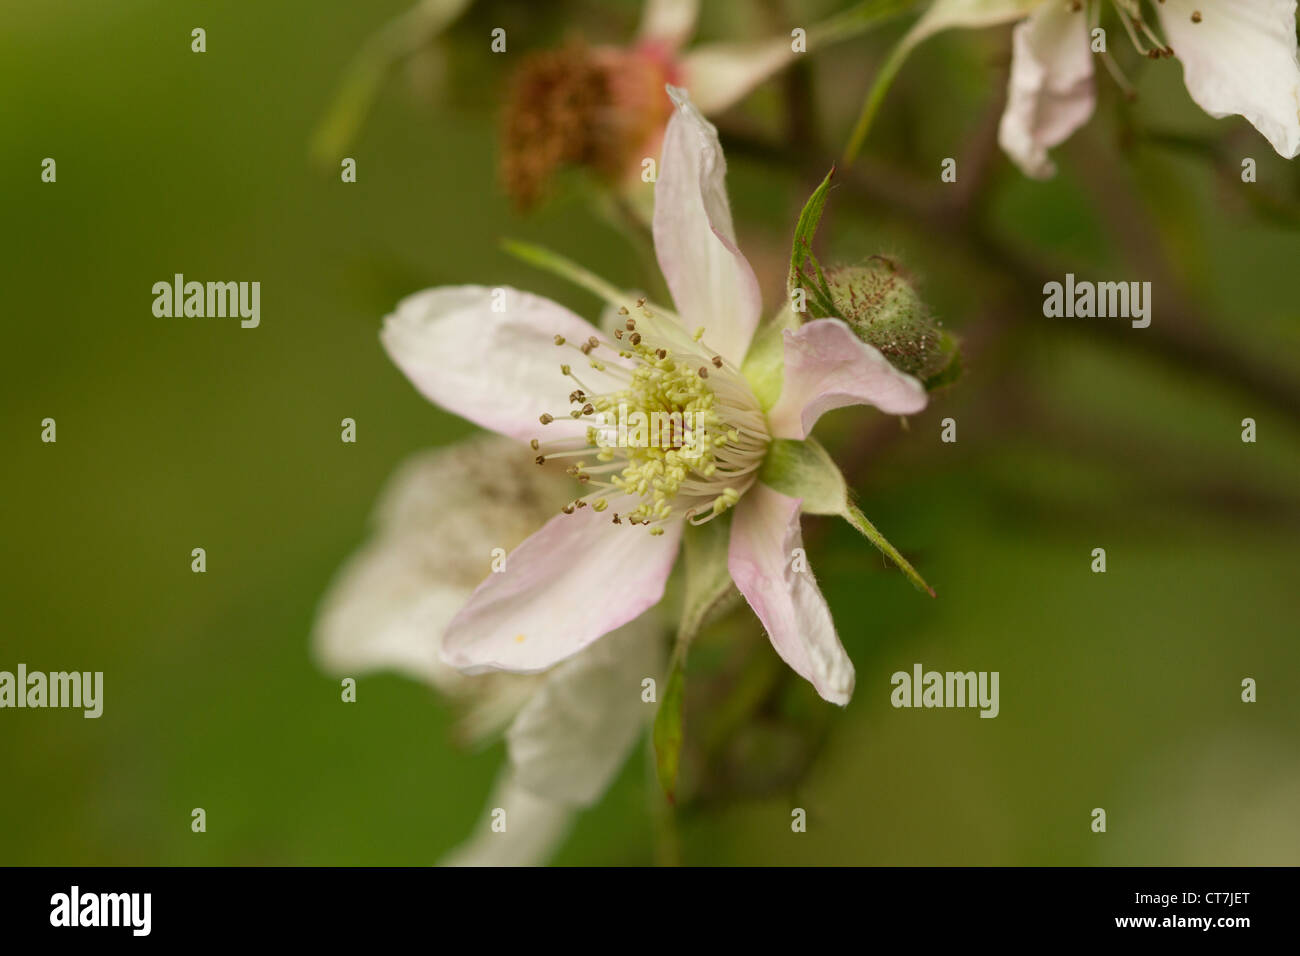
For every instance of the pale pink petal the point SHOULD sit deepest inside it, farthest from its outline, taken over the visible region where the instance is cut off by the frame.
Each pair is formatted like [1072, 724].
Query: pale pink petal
[499, 369]
[826, 367]
[721, 74]
[764, 536]
[575, 580]
[1051, 91]
[569, 741]
[711, 281]
[668, 23]
[1240, 59]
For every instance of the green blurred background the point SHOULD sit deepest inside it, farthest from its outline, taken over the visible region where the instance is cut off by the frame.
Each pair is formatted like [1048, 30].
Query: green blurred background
[1118, 691]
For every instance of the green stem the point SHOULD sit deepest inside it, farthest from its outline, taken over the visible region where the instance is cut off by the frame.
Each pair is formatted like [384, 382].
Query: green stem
[875, 96]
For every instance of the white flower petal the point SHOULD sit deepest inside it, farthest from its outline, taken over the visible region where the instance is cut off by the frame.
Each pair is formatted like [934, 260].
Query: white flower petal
[434, 526]
[575, 580]
[721, 74]
[764, 535]
[711, 281]
[499, 369]
[1051, 91]
[1240, 59]
[569, 741]
[668, 22]
[826, 367]
[386, 610]
[534, 829]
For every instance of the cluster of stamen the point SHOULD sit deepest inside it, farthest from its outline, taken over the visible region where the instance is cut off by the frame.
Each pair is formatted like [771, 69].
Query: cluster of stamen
[1144, 39]
[701, 436]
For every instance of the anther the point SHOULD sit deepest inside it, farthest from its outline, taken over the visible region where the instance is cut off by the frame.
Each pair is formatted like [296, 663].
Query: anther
[631, 325]
[635, 338]
[535, 444]
[567, 509]
[717, 361]
[704, 372]
[559, 340]
[546, 418]
[540, 459]
[1196, 16]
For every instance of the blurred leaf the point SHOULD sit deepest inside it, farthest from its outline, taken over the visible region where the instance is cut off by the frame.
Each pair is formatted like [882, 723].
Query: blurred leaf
[395, 41]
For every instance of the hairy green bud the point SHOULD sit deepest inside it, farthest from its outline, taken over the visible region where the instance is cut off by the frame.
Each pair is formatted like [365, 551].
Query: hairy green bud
[877, 300]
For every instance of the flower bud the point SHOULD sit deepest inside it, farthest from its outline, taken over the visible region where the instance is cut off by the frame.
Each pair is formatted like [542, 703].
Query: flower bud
[878, 302]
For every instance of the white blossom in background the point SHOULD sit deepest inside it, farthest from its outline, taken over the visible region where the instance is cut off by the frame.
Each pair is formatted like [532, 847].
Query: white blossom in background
[1238, 58]
[569, 730]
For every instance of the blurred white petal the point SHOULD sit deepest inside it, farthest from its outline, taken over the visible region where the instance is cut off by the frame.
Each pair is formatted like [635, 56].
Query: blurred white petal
[534, 828]
[434, 528]
[721, 74]
[1051, 92]
[669, 22]
[568, 742]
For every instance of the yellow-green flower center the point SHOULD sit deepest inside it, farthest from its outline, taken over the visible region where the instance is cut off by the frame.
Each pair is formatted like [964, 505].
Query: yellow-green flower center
[680, 431]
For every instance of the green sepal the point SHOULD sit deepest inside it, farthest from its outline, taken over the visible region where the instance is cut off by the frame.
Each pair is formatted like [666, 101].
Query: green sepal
[764, 365]
[804, 470]
[817, 298]
[951, 372]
